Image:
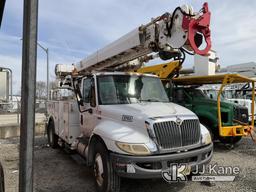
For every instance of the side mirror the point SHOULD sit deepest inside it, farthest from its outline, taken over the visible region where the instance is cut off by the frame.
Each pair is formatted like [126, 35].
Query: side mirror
[91, 95]
[92, 102]
[78, 95]
[89, 110]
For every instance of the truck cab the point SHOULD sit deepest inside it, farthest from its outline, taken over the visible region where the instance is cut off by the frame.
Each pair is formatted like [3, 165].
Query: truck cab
[205, 108]
[128, 128]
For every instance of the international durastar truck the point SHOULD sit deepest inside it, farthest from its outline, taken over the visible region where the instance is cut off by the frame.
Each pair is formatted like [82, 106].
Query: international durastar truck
[122, 123]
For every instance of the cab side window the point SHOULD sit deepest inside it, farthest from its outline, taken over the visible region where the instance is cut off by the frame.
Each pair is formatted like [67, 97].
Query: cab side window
[92, 97]
[86, 89]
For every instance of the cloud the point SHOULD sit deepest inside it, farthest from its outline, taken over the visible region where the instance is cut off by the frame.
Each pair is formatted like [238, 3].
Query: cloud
[74, 29]
[15, 64]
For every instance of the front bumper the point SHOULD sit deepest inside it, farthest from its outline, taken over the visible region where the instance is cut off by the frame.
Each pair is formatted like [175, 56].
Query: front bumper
[152, 166]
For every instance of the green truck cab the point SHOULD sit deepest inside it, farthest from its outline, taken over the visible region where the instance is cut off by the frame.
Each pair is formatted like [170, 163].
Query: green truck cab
[206, 109]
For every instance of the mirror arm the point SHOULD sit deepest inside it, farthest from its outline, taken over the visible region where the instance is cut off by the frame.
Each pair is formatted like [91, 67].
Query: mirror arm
[89, 110]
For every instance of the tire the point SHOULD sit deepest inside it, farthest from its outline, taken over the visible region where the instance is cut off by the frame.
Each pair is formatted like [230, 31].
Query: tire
[205, 123]
[106, 180]
[1, 179]
[52, 137]
[230, 140]
[210, 130]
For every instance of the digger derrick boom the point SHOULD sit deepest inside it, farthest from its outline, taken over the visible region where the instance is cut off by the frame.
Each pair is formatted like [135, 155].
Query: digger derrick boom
[167, 33]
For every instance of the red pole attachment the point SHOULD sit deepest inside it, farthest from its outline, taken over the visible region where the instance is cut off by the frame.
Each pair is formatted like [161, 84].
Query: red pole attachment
[199, 25]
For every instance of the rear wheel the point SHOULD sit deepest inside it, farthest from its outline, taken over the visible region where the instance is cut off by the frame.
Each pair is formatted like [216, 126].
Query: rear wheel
[106, 180]
[52, 137]
[1, 179]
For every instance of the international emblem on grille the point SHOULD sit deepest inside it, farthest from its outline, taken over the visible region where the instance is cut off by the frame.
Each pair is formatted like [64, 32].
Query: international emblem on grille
[178, 121]
[177, 133]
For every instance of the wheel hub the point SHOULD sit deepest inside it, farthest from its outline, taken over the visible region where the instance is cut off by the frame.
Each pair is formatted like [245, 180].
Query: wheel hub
[51, 136]
[98, 169]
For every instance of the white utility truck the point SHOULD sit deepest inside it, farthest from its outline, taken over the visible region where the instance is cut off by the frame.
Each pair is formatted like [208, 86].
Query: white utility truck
[122, 123]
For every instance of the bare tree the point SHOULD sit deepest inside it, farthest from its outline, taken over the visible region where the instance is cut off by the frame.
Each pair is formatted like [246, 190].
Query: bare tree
[53, 85]
[41, 90]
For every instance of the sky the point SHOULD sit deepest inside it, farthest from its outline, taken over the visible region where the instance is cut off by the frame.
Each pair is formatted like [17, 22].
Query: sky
[72, 30]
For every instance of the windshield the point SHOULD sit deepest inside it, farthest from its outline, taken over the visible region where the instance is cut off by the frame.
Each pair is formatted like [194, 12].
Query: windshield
[196, 93]
[125, 89]
[213, 94]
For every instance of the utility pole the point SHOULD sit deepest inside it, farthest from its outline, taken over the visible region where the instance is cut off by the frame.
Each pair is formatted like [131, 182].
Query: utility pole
[47, 67]
[29, 53]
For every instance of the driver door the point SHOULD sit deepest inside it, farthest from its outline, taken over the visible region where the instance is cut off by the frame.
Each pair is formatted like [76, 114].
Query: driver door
[88, 118]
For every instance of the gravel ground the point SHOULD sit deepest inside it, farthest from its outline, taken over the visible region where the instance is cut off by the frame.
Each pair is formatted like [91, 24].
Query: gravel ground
[58, 171]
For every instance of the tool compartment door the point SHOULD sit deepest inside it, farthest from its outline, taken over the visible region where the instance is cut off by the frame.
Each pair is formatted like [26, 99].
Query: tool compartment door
[73, 120]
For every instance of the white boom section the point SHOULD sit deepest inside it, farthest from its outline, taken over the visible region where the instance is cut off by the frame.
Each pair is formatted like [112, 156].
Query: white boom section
[120, 51]
[165, 33]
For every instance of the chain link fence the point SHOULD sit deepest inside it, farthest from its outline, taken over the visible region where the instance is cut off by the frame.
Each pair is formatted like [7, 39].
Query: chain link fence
[10, 118]
[9, 138]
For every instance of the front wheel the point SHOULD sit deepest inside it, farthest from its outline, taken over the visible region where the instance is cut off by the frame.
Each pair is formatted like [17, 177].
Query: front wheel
[209, 129]
[106, 180]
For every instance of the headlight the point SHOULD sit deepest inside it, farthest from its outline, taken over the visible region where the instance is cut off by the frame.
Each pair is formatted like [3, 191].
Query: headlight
[206, 138]
[136, 149]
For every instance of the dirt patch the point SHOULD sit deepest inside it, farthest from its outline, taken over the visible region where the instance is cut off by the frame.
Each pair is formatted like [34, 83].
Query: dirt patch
[58, 171]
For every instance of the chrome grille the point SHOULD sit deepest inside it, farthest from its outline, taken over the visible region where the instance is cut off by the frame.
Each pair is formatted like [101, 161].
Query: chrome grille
[241, 114]
[171, 135]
